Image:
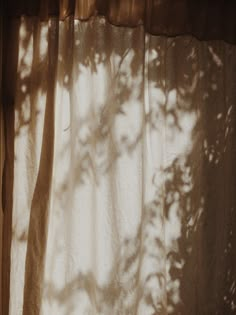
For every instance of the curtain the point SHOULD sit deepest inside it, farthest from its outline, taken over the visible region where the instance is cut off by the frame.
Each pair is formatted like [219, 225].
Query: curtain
[119, 171]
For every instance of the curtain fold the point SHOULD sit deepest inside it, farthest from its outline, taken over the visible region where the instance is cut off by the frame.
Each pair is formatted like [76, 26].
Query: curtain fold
[119, 176]
[203, 19]
[9, 74]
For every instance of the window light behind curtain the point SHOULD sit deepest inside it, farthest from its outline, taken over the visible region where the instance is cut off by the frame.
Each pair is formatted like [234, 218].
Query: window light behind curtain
[117, 158]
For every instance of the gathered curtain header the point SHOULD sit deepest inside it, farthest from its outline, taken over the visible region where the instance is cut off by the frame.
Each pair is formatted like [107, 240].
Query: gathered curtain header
[202, 19]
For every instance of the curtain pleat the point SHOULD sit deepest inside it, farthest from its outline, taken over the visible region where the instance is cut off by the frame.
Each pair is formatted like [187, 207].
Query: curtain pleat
[41, 197]
[9, 76]
[119, 186]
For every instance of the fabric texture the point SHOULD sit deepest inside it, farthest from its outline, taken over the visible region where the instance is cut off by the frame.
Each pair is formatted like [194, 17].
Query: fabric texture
[203, 19]
[119, 174]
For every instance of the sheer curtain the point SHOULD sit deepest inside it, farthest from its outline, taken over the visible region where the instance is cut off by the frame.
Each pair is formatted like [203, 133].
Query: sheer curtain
[119, 177]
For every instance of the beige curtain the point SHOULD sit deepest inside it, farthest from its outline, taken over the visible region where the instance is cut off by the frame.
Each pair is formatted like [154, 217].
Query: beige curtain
[119, 177]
